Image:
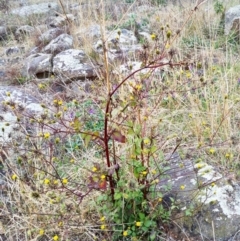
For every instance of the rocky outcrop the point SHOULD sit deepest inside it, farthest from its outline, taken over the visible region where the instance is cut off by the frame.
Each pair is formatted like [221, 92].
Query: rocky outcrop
[208, 200]
[41, 8]
[232, 19]
[59, 21]
[39, 65]
[3, 33]
[73, 64]
[18, 99]
[121, 43]
[59, 44]
[22, 31]
[46, 37]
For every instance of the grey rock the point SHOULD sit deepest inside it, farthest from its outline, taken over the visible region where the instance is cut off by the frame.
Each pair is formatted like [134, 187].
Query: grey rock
[50, 34]
[203, 188]
[73, 64]
[41, 8]
[2, 62]
[3, 33]
[22, 31]
[232, 19]
[60, 21]
[21, 98]
[121, 43]
[93, 31]
[13, 50]
[37, 64]
[59, 44]
[2, 74]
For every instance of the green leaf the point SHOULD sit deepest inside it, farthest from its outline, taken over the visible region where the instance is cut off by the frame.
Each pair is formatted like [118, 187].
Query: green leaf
[117, 195]
[153, 149]
[141, 216]
[76, 124]
[87, 139]
[153, 236]
[148, 223]
[188, 212]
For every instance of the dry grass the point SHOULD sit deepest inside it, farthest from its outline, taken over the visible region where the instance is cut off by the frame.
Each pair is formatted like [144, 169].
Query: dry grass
[202, 109]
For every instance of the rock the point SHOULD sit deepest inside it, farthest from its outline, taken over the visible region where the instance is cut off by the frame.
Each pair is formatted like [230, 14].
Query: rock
[93, 32]
[88, 34]
[59, 44]
[50, 34]
[2, 62]
[73, 64]
[40, 8]
[19, 99]
[232, 19]
[3, 33]
[39, 65]
[60, 21]
[121, 43]
[22, 31]
[13, 50]
[205, 197]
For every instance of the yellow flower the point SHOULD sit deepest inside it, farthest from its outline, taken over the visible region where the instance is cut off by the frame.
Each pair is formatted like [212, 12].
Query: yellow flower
[103, 227]
[146, 141]
[138, 224]
[46, 181]
[102, 219]
[41, 231]
[153, 36]
[182, 187]
[125, 233]
[64, 180]
[169, 33]
[188, 74]
[55, 182]
[54, 159]
[94, 169]
[144, 173]
[72, 160]
[181, 165]
[59, 114]
[138, 87]
[46, 135]
[103, 177]
[154, 172]
[40, 86]
[211, 151]
[160, 199]
[167, 46]
[8, 93]
[14, 177]
[55, 238]
[228, 155]
[213, 184]
[57, 140]
[200, 165]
